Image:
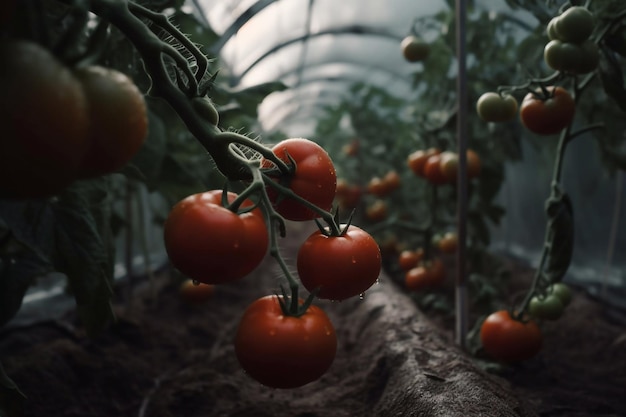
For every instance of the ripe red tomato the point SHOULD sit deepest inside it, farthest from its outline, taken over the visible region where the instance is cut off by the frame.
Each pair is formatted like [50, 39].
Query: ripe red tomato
[432, 170]
[427, 275]
[414, 49]
[417, 159]
[377, 211]
[493, 107]
[195, 292]
[549, 116]
[409, 259]
[376, 186]
[340, 266]
[44, 119]
[211, 244]
[118, 119]
[449, 165]
[508, 340]
[282, 351]
[392, 180]
[314, 179]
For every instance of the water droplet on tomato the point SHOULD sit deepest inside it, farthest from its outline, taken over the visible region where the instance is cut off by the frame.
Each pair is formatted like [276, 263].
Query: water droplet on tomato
[353, 260]
[362, 296]
[195, 282]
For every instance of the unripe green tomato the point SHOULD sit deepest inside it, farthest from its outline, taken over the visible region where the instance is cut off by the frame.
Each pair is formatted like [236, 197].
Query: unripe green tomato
[414, 49]
[549, 307]
[492, 107]
[574, 25]
[563, 56]
[551, 30]
[206, 110]
[562, 292]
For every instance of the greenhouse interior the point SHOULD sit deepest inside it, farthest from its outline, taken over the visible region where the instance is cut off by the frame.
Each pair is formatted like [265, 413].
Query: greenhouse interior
[312, 208]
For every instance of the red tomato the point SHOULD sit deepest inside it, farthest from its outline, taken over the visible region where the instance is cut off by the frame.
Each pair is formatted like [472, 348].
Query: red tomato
[427, 275]
[314, 179]
[508, 340]
[211, 244]
[432, 170]
[377, 211]
[449, 166]
[282, 351]
[195, 292]
[340, 266]
[448, 243]
[417, 159]
[474, 164]
[549, 116]
[409, 259]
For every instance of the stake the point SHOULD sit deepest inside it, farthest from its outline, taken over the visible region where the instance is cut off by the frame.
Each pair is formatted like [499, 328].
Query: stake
[461, 305]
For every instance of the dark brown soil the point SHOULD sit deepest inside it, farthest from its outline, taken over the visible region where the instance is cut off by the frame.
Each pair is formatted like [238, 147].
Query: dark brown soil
[164, 359]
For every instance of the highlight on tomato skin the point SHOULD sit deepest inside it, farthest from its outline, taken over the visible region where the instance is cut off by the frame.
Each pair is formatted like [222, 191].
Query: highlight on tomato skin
[282, 351]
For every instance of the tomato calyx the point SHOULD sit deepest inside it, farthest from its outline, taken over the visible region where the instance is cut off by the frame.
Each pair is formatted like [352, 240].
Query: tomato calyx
[335, 228]
[293, 306]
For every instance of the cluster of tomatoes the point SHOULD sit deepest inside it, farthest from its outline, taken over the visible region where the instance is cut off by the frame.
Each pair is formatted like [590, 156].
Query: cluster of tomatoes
[441, 168]
[570, 49]
[63, 124]
[217, 237]
[422, 274]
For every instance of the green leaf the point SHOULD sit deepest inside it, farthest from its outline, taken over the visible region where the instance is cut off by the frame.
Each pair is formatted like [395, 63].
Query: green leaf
[84, 251]
[11, 398]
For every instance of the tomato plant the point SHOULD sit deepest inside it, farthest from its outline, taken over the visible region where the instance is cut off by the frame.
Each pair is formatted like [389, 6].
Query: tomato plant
[44, 114]
[549, 112]
[414, 49]
[493, 107]
[212, 244]
[313, 178]
[509, 340]
[339, 267]
[118, 119]
[282, 351]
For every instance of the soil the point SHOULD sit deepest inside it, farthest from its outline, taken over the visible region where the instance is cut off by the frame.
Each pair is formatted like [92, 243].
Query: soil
[163, 358]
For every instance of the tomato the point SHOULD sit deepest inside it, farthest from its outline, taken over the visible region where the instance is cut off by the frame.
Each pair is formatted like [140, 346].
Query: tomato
[205, 108]
[548, 116]
[448, 243]
[562, 291]
[377, 187]
[282, 351]
[314, 179]
[427, 275]
[377, 211]
[340, 266]
[44, 118]
[417, 159]
[551, 30]
[508, 340]
[414, 49]
[449, 166]
[409, 259]
[562, 56]
[474, 164]
[493, 107]
[432, 170]
[211, 244]
[351, 197]
[195, 292]
[574, 24]
[548, 307]
[392, 180]
[352, 148]
[118, 119]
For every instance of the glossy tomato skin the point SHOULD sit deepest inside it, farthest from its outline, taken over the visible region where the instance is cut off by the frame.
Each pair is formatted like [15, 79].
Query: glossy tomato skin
[44, 119]
[550, 116]
[118, 119]
[282, 351]
[508, 340]
[340, 266]
[211, 244]
[314, 179]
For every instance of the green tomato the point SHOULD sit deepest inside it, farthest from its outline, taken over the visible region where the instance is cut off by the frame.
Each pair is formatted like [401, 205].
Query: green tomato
[493, 107]
[551, 30]
[563, 56]
[574, 25]
[562, 292]
[549, 307]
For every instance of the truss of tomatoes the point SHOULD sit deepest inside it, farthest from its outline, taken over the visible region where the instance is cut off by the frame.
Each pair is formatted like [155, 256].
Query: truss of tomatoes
[216, 237]
[62, 124]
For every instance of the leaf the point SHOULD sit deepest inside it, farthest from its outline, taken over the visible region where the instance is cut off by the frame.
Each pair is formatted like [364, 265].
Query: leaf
[84, 252]
[11, 398]
[560, 242]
